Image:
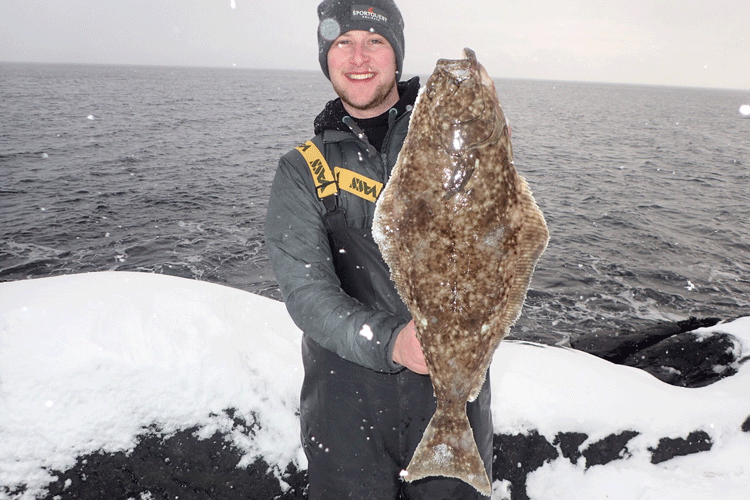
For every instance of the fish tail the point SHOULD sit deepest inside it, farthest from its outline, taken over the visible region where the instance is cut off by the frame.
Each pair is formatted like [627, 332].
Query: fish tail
[448, 449]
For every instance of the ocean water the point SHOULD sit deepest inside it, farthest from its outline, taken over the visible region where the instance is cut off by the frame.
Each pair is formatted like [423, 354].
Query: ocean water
[167, 170]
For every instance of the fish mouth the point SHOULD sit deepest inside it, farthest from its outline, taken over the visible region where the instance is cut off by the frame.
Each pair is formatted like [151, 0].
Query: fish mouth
[464, 96]
[461, 69]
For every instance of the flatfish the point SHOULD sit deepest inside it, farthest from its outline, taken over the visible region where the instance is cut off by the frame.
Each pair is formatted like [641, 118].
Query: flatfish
[461, 234]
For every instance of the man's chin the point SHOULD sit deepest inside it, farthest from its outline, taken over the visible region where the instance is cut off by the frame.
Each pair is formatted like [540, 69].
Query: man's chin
[362, 106]
[365, 105]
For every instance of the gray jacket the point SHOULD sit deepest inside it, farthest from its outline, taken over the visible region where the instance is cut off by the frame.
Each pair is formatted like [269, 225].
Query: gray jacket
[298, 245]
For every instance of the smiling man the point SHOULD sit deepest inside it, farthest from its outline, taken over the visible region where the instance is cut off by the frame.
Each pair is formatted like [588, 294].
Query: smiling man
[362, 68]
[366, 397]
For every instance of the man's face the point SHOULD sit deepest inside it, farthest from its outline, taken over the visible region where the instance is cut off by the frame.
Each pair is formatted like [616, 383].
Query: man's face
[362, 67]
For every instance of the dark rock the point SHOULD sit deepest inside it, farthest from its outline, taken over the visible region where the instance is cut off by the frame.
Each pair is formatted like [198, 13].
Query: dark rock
[13, 493]
[609, 449]
[176, 466]
[621, 345]
[746, 425]
[689, 360]
[183, 466]
[670, 352]
[517, 455]
[569, 444]
[669, 448]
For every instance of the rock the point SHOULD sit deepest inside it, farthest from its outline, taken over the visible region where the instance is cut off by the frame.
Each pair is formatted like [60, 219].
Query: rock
[611, 448]
[670, 351]
[182, 465]
[689, 360]
[176, 466]
[569, 444]
[620, 345]
[669, 448]
[515, 456]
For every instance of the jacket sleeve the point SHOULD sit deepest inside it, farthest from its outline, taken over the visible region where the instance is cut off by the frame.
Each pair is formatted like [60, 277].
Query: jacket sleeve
[297, 243]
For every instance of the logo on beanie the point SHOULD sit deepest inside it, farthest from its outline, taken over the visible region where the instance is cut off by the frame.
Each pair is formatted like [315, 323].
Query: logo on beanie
[368, 13]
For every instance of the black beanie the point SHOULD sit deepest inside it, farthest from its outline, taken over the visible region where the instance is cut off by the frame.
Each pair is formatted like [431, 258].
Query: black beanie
[378, 16]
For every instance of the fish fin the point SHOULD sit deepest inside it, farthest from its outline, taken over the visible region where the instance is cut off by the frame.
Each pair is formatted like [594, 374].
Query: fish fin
[478, 388]
[448, 449]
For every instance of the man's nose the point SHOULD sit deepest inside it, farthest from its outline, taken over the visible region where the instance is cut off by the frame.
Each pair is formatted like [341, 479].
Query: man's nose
[360, 55]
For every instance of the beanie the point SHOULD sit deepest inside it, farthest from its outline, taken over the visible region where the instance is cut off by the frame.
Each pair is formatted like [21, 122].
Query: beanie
[378, 16]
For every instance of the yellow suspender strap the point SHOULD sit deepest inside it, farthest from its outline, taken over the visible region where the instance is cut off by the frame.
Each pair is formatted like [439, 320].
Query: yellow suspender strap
[358, 184]
[328, 183]
[325, 182]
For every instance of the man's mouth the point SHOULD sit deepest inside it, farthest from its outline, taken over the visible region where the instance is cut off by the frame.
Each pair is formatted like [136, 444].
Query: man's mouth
[360, 76]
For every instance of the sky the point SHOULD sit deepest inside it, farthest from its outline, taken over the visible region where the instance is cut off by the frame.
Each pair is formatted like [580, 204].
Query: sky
[696, 43]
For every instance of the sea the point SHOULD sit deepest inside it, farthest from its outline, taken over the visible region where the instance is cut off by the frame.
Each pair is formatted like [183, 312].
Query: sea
[645, 189]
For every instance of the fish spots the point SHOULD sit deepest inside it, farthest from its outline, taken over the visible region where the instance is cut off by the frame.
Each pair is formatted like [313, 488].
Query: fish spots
[443, 454]
[461, 234]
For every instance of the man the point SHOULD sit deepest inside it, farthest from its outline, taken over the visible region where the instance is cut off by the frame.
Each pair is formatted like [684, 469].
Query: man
[366, 397]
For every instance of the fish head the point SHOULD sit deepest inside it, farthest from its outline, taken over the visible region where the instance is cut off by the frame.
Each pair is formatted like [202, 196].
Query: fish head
[461, 98]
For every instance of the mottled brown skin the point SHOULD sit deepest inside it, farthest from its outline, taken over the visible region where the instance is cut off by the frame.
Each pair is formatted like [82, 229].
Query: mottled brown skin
[461, 234]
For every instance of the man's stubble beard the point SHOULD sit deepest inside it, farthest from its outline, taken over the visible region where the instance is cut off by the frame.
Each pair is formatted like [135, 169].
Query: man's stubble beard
[384, 91]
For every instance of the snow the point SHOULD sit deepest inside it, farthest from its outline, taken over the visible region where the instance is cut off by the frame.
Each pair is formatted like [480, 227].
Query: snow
[366, 332]
[88, 361]
[562, 390]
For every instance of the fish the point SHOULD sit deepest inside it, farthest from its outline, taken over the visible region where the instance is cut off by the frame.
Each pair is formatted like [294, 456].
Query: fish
[461, 233]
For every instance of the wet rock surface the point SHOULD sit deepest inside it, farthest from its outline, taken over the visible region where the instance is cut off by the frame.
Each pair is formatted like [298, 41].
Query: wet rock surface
[671, 352]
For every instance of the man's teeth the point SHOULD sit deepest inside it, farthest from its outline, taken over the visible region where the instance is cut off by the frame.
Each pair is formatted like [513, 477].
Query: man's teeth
[364, 76]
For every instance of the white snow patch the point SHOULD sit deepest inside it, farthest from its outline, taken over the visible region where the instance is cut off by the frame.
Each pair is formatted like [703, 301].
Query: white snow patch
[88, 361]
[366, 332]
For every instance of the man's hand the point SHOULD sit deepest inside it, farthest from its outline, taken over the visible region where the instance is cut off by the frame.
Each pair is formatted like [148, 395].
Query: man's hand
[408, 350]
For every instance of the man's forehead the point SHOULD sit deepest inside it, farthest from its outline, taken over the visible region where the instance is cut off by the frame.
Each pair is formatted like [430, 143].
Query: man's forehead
[362, 34]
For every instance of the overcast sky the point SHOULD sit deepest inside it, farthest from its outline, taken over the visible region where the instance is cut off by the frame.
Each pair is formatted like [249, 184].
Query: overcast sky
[702, 43]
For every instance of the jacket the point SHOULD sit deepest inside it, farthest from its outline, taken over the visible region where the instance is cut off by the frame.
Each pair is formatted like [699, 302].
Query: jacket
[297, 239]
